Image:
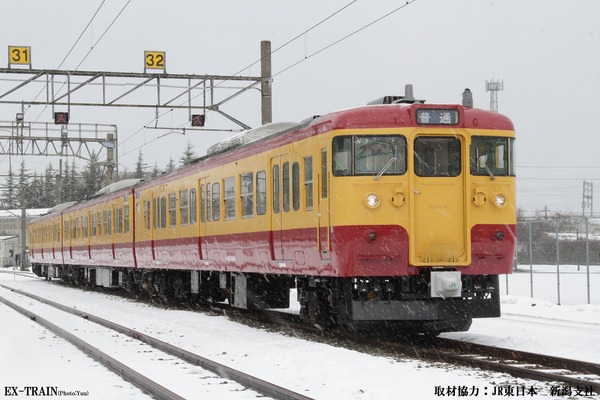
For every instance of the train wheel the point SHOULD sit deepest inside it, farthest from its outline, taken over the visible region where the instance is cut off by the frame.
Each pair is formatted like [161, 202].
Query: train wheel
[316, 299]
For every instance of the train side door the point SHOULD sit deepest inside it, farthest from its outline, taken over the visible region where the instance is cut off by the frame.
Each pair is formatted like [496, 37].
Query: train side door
[276, 231]
[154, 221]
[323, 213]
[204, 199]
[438, 223]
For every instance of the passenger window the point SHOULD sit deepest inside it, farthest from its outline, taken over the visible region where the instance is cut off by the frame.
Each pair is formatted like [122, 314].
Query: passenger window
[247, 195]
[308, 182]
[184, 207]
[229, 197]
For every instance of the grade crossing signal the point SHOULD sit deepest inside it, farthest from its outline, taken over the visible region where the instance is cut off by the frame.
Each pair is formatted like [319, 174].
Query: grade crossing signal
[198, 119]
[61, 118]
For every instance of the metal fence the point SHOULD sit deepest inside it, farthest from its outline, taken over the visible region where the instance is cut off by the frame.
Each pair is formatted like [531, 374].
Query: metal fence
[558, 260]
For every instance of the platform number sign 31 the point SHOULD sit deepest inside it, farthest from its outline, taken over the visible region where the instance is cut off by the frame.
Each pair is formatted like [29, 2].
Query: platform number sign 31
[19, 55]
[154, 60]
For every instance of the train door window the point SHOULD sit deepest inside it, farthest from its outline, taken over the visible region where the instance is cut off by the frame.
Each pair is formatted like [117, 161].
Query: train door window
[247, 194]
[163, 212]
[492, 156]
[109, 223]
[324, 183]
[99, 221]
[286, 186]
[276, 205]
[184, 207]
[229, 197]
[261, 193]
[126, 218]
[202, 204]
[193, 208]
[308, 182]
[147, 213]
[216, 201]
[154, 213]
[437, 156]
[296, 186]
[118, 220]
[172, 209]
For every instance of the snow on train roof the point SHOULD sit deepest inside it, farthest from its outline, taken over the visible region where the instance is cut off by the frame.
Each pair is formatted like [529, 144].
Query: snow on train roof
[116, 186]
[250, 136]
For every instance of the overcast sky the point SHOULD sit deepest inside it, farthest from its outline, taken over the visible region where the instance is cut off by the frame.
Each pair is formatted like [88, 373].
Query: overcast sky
[546, 52]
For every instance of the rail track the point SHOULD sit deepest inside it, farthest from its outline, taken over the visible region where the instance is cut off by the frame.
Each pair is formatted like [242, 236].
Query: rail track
[131, 374]
[520, 364]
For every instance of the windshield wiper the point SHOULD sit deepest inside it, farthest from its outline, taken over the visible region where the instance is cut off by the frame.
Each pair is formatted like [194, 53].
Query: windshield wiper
[376, 177]
[489, 171]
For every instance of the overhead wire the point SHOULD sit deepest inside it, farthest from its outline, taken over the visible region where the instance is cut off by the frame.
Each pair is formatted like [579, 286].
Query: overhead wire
[294, 64]
[235, 74]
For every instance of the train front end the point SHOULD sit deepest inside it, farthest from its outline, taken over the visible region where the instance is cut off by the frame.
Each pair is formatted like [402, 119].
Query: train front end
[423, 215]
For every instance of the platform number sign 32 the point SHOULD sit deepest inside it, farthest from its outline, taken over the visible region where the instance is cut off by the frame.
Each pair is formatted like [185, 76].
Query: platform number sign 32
[19, 55]
[155, 60]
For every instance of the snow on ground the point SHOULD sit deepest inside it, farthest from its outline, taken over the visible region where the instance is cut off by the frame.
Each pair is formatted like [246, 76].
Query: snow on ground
[31, 356]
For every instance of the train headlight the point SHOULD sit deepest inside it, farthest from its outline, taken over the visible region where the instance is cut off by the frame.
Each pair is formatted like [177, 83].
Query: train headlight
[372, 200]
[499, 200]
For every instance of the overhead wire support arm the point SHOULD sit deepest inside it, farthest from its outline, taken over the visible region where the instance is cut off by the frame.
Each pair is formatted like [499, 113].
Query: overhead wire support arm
[181, 85]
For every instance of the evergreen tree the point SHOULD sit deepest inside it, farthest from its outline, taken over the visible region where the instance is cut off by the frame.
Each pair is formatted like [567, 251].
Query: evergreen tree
[49, 187]
[35, 192]
[91, 178]
[188, 155]
[10, 193]
[139, 167]
[155, 171]
[23, 184]
[170, 165]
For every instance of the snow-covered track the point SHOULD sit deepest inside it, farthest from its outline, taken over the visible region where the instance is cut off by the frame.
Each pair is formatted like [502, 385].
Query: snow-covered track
[223, 371]
[520, 364]
[148, 385]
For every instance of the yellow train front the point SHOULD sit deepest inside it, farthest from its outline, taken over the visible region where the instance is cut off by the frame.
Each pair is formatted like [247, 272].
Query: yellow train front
[420, 216]
[392, 215]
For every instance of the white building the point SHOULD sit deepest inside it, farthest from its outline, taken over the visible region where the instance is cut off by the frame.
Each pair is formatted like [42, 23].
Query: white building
[10, 233]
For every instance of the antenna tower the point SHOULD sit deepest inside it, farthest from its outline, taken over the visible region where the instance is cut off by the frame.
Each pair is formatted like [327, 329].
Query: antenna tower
[494, 87]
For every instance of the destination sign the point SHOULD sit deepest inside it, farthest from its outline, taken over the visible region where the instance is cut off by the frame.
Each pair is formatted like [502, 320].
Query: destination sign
[437, 116]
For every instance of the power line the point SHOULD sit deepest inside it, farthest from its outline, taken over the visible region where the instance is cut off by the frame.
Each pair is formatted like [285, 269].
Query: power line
[345, 37]
[236, 73]
[296, 63]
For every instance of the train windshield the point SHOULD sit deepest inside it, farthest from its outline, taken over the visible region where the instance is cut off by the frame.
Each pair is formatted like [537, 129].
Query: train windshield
[369, 155]
[492, 156]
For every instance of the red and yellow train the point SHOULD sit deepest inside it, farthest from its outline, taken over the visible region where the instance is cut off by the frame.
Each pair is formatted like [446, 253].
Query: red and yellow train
[397, 214]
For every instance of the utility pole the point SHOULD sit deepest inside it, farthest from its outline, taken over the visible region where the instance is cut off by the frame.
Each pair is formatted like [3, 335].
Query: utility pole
[265, 86]
[494, 87]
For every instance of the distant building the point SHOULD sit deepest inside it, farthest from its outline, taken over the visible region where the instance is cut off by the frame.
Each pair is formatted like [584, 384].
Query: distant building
[8, 250]
[10, 234]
